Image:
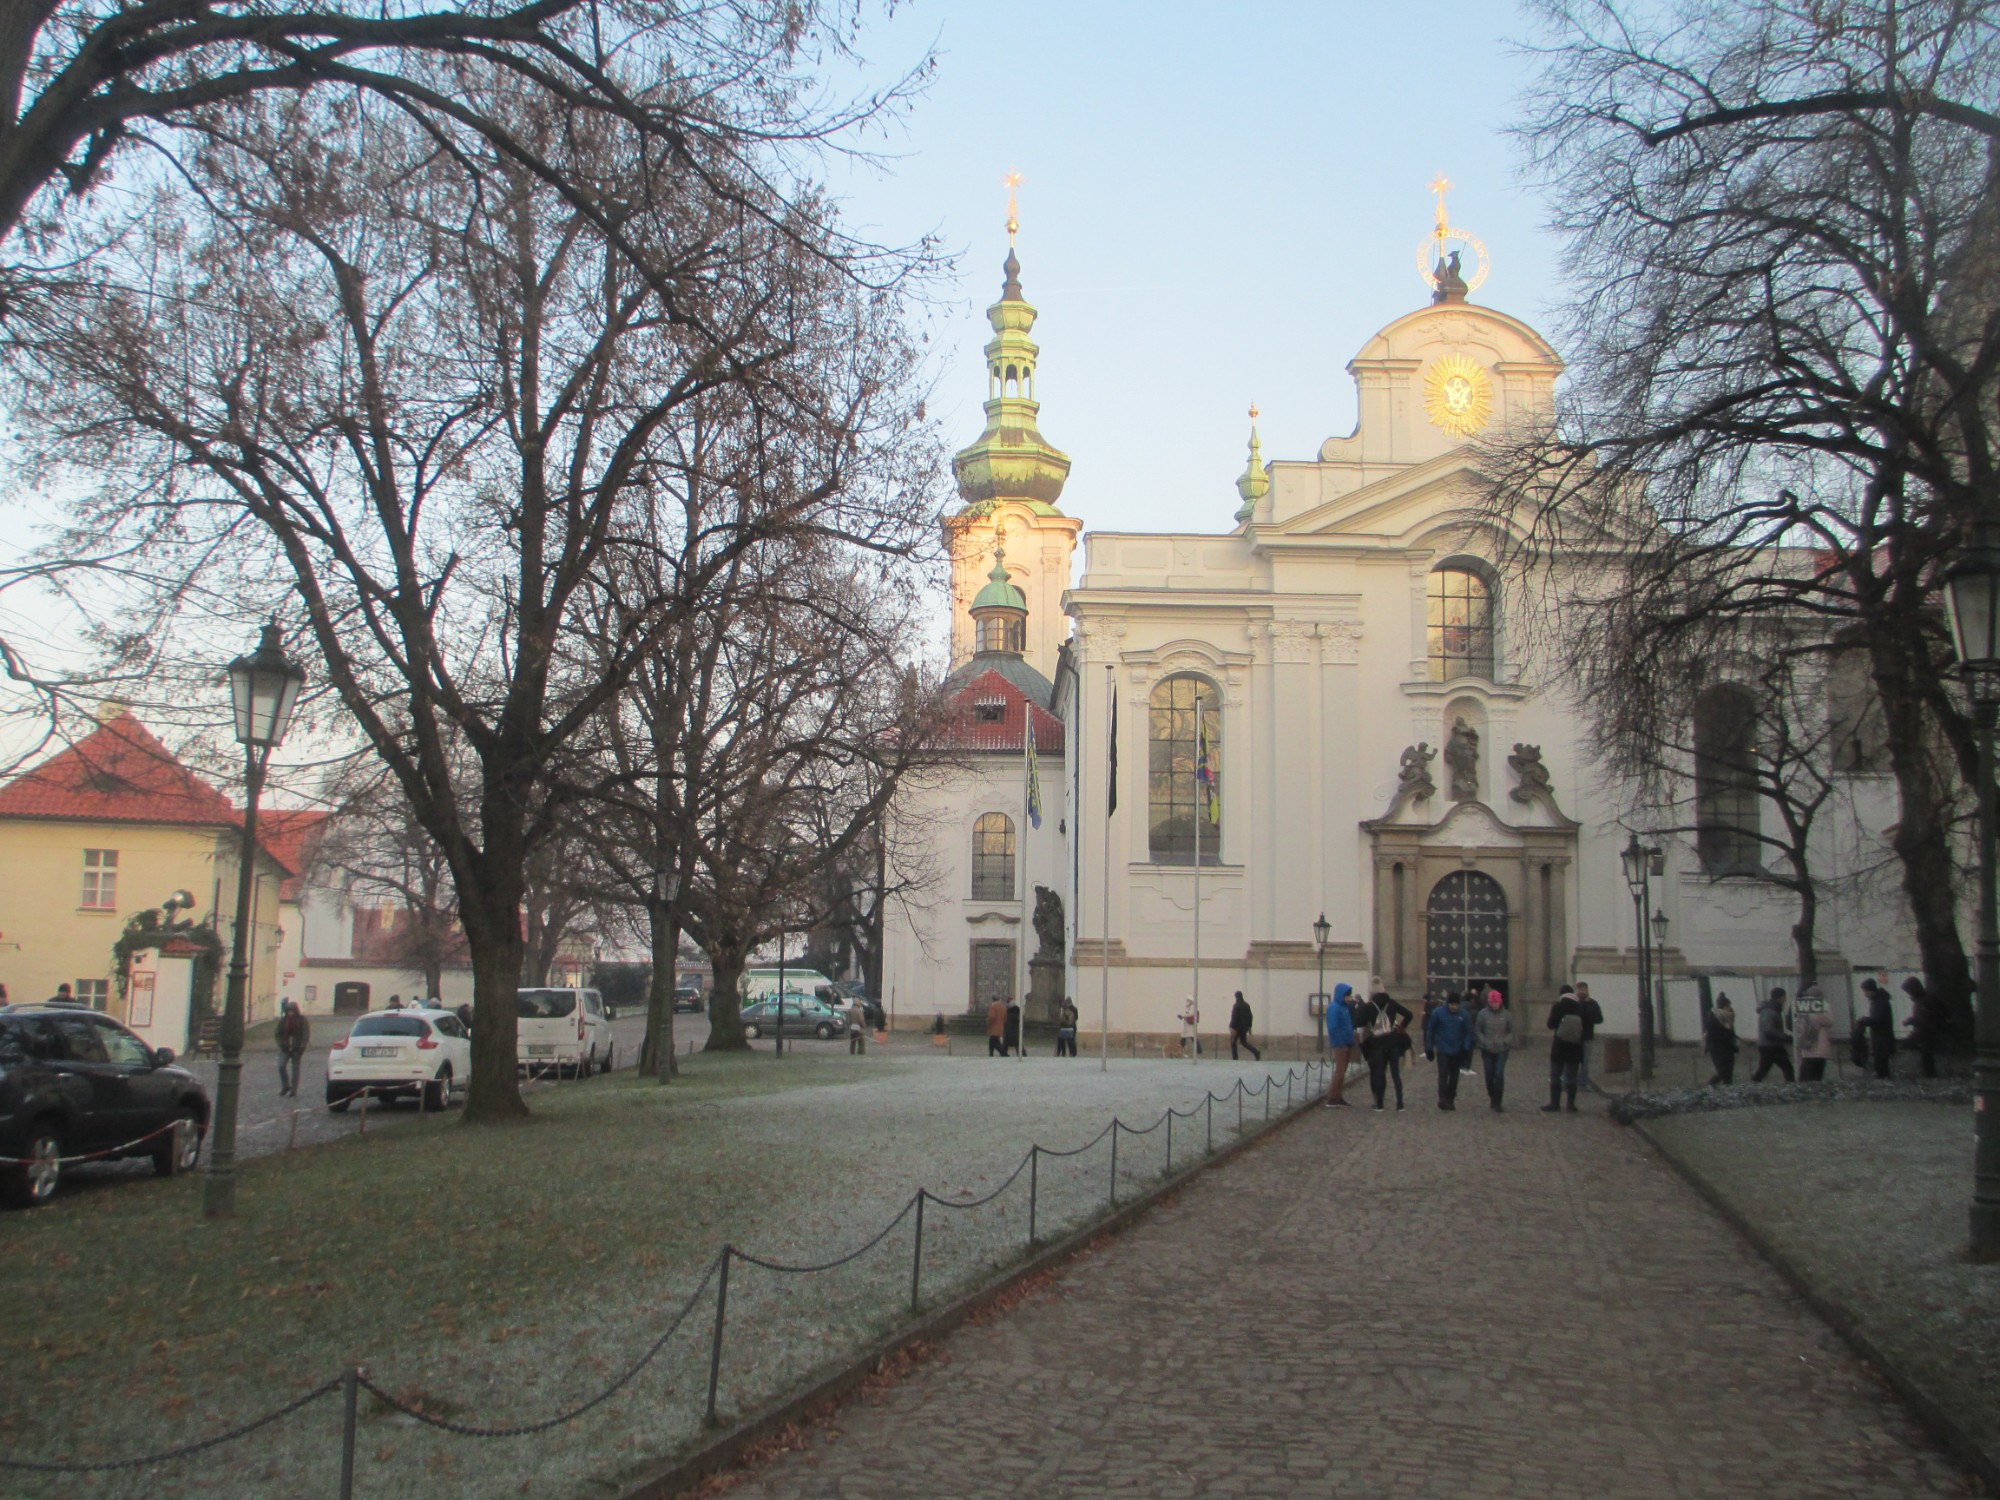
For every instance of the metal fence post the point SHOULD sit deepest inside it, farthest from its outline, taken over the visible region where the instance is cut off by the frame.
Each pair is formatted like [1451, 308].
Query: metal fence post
[1114, 1161]
[1288, 1088]
[1239, 1106]
[350, 1389]
[1170, 1140]
[1267, 1098]
[715, 1348]
[1034, 1188]
[1208, 1104]
[917, 1256]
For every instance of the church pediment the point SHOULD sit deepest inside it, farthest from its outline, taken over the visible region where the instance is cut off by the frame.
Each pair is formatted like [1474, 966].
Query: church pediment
[1396, 507]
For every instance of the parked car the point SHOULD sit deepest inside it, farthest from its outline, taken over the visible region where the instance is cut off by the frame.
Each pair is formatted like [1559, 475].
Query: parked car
[688, 994]
[420, 1053]
[75, 1082]
[804, 1016]
[564, 1031]
[843, 991]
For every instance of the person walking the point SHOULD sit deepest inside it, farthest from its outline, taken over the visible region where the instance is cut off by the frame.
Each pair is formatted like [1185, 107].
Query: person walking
[1815, 1034]
[1447, 1038]
[294, 1036]
[1066, 1029]
[1494, 1034]
[1593, 1017]
[996, 1028]
[1565, 1050]
[1881, 1024]
[1011, 1029]
[62, 996]
[1190, 1028]
[1719, 1041]
[857, 1026]
[1387, 1027]
[1774, 1039]
[1340, 1040]
[1239, 1029]
[1926, 1024]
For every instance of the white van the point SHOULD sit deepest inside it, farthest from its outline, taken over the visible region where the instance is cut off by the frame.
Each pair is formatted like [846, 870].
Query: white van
[563, 1031]
[757, 983]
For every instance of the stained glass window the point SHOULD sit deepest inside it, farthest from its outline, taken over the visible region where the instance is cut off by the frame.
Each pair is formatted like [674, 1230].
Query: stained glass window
[1176, 797]
[1459, 611]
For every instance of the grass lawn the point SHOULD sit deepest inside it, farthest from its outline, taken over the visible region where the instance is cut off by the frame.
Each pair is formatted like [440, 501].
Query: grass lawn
[497, 1276]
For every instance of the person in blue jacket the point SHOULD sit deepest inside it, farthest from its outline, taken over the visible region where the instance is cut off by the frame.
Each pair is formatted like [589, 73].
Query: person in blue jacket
[1447, 1038]
[1340, 1042]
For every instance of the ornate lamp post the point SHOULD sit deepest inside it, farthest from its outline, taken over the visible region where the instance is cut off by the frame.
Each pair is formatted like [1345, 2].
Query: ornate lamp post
[1972, 594]
[264, 687]
[1637, 860]
[1659, 968]
[1322, 930]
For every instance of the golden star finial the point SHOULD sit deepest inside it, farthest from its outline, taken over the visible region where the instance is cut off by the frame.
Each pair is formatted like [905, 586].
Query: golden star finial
[1013, 181]
[1253, 411]
[1438, 185]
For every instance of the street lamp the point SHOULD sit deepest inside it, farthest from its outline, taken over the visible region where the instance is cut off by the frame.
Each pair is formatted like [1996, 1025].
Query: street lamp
[1322, 930]
[1637, 860]
[264, 688]
[1659, 967]
[1972, 597]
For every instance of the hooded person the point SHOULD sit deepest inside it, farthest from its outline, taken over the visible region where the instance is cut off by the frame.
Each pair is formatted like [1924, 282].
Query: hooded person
[294, 1035]
[1447, 1037]
[1719, 1040]
[1339, 1021]
[1881, 1024]
[1494, 1034]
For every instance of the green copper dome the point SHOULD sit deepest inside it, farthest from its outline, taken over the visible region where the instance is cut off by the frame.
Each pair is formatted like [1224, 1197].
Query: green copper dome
[1000, 592]
[1253, 484]
[1011, 460]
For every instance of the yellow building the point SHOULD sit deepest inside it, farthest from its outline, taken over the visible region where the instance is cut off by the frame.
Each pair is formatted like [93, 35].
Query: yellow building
[101, 831]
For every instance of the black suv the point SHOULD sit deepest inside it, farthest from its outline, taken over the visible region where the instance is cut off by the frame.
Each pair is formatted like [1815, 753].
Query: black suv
[75, 1083]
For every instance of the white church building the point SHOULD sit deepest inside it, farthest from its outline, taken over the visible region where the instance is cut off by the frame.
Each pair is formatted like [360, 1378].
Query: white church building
[1381, 749]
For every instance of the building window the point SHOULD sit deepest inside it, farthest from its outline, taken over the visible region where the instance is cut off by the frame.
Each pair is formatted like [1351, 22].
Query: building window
[1725, 780]
[96, 993]
[1178, 797]
[100, 880]
[1000, 633]
[993, 858]
[1459, 611]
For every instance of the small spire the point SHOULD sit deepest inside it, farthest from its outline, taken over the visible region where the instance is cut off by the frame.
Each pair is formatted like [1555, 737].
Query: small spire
[999, 573]
[1013, 181]
[1254, 484]
[1010, 289]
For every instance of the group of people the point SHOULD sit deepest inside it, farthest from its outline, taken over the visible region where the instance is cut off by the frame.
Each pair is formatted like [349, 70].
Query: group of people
[1455, 1030]
[1804, 1028]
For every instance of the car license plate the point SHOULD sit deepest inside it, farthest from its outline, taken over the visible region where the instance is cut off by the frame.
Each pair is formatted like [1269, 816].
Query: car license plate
[541, 1049]
[378, 1051]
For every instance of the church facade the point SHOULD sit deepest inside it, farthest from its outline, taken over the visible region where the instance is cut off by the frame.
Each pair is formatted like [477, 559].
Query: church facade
[1322, 711]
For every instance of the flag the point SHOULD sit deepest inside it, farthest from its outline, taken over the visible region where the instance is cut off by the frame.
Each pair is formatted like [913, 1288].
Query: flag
[1204, 769]
[1034, 771]
[1111, 774]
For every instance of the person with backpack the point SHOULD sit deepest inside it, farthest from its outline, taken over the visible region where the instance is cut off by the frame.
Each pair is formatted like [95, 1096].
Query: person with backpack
[1493, 1033]
[1565, 1050]
[1384, 1028]
[1447, 1038]
[294, 1035]
[1340, 1043]
[1774, 1039]
[1719, 1041]
[1066, 1029]
[1815, 1034]
[1239, 1029]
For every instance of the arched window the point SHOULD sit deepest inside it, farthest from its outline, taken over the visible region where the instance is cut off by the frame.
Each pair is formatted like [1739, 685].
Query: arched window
[993, 858]
[1178, 793]
[1725, 779]
[1003, 632]
[1459, 614]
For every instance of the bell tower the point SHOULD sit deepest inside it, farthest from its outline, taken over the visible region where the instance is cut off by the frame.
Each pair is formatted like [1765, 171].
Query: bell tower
[1010, 479]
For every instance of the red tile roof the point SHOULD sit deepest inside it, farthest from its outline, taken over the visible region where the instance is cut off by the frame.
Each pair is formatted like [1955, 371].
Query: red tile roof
[288, 835]
[119, 773]
[990, 690]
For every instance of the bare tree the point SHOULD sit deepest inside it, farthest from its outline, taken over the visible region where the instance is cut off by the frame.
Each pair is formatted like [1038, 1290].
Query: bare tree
[377, 848]
[418, 407]
[1782, 218]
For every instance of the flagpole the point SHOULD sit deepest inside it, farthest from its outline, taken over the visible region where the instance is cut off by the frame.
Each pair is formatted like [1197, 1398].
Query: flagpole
[1110, 806]
[1200, 812]
[1027, 824]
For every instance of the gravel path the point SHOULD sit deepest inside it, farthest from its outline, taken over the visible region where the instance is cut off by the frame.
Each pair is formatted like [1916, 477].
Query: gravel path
[1421, 1304]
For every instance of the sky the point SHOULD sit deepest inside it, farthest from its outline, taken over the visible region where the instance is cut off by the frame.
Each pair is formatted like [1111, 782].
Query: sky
[1219, 204]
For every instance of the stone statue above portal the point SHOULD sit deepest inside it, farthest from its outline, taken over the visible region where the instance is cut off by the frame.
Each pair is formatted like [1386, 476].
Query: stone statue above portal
[1461, 758]
[1413, 778]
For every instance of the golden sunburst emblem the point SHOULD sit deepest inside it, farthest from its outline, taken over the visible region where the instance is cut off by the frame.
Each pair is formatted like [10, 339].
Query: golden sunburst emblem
[1458, 395]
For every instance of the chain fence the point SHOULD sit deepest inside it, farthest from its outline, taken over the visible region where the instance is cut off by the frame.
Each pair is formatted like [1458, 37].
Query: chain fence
[951, 1240]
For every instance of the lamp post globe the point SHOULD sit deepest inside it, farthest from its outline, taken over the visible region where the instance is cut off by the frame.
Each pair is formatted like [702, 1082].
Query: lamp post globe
[1972, 600]
[264, 688]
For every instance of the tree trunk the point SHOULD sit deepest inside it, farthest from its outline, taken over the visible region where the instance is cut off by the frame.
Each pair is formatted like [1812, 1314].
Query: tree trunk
[725, 1002]
[493, 930]
[1922, 838]
[656, 1058]
[1803, 934]
[434, 974]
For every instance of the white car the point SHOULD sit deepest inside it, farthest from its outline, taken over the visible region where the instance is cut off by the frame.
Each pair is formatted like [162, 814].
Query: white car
[390, 1053]
[563, 1031]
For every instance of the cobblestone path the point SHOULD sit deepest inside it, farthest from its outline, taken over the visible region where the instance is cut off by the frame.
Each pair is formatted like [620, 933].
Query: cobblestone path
[1416, 1304]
